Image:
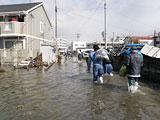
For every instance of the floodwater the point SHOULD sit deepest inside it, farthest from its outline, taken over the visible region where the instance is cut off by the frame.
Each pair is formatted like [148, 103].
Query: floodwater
[65, 92]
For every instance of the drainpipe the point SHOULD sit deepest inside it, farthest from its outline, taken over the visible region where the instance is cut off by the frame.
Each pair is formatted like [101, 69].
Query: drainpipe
[0, 52]
[27, 33]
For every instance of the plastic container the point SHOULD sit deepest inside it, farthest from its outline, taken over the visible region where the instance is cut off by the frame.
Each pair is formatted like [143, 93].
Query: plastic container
[14, 19]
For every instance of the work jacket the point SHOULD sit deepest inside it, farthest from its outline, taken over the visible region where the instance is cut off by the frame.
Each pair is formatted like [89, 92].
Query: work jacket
[133, 62]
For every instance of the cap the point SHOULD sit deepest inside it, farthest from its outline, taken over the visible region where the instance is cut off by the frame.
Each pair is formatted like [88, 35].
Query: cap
[134, 48]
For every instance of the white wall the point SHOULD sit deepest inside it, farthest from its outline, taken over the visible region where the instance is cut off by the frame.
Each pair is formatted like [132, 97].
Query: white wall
[47, 54]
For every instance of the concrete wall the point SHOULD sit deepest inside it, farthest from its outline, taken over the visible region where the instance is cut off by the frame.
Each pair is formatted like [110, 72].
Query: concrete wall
[16, 27]
[12, 55]
[118, 61]
[151, 69]
[47, 54]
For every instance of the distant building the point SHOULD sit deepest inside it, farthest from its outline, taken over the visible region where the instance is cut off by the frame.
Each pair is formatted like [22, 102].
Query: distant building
[110, 45]
[62, 45]
[101, 44]
[25, 29]
[139, 40]
[77, 45]
[119, 39]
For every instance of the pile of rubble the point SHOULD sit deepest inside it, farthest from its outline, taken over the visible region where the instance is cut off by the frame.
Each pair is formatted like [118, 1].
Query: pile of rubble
[30, 63]
[2, 70]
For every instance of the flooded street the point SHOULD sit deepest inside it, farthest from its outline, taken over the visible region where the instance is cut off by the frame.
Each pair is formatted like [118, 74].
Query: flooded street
[65, 92]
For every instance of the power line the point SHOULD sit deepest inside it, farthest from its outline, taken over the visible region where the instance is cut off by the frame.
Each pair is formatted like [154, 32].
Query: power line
[79, 10]
[90, 17]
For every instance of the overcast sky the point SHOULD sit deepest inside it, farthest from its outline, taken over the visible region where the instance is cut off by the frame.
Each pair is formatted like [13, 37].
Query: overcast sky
[86, 17]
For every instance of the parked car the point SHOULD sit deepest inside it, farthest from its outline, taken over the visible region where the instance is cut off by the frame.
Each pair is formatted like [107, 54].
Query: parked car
[86, 54]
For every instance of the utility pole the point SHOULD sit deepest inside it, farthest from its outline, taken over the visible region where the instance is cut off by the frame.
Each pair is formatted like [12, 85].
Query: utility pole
[113, 39]
[56, 20]
[56, 33]
[105, 18]
[78, 36]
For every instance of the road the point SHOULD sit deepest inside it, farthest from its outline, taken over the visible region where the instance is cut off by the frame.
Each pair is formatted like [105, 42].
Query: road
[66, 92]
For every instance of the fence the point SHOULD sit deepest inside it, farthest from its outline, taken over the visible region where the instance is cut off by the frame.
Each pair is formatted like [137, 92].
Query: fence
[12, 55]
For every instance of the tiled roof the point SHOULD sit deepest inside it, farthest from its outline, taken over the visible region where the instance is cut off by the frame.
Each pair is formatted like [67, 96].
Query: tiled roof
[18, 7]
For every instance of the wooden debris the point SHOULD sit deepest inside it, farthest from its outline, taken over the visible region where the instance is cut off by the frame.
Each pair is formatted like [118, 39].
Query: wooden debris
[2, 70]
[36, 62]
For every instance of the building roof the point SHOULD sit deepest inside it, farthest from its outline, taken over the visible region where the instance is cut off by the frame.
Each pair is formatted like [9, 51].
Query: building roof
[18, 7]
[139, 37]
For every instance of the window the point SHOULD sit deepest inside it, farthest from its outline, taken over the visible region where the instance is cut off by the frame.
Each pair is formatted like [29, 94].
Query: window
[82, 45]
[10, 18]
[1, 18]
[8, 26]
[8, 44]
[41, 27]
[19, 44]
[1, 44]
[21, 18]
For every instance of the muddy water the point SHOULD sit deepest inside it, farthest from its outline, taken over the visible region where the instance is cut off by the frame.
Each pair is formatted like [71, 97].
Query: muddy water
[65, 92]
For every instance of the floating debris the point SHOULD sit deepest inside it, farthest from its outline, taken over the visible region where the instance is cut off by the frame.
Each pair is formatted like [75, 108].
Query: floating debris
[2, 70]
[24, 64]
[31, 63]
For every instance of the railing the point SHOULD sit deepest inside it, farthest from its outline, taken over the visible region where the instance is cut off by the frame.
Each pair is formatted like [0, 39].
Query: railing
[12, 28]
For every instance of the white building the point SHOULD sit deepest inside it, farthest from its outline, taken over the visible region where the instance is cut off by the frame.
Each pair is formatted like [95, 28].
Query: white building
[78, 45]
[119, 39]
[139, 40]
[62, 45]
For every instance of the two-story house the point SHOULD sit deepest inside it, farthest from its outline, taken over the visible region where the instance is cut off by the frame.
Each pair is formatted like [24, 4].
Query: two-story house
[24, 29]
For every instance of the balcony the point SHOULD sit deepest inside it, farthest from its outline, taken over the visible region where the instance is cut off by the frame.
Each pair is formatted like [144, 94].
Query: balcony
[12, 28]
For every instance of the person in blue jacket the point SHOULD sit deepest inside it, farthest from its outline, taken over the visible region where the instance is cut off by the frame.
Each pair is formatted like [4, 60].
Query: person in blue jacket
[97, 65]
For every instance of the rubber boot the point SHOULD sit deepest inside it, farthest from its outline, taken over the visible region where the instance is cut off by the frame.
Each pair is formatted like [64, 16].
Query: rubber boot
[129, 88]
[136, 84]
[101, 79]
